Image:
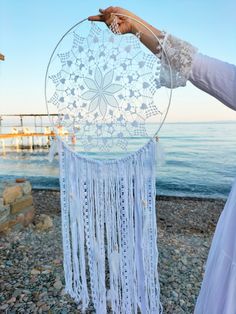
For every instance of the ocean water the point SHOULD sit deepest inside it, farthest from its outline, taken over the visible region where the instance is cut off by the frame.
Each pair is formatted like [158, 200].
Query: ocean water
[200, 161]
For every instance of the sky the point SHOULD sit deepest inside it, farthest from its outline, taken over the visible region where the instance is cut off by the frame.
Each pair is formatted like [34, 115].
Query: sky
[29, 31]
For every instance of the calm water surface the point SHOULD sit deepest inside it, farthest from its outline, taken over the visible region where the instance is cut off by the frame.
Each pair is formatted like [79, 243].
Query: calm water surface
[200, 160]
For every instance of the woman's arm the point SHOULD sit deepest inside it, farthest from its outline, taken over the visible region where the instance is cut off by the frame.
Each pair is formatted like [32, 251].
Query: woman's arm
[216, 78]
[213, 76]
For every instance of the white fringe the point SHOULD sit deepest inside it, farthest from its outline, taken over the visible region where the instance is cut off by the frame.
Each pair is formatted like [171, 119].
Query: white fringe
[109, 231]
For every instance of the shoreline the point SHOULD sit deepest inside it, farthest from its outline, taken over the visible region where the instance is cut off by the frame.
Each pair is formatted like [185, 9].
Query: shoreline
[158, 196]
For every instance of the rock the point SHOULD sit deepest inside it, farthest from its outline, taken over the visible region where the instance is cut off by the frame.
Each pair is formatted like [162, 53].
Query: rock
[4, 307]
[12, 300]
[47, 271]
[11, 193]
[20, 204]
[9, 263]
[184, 261]
[45, 307]
[20, 180]
[45, 222]
[63, 292]
[26, 187]
[58, 285]
[174, 295]
[18, 221]
[17, 293]
[57, 261]
[4, 212]
[35, 272]
[43, 295]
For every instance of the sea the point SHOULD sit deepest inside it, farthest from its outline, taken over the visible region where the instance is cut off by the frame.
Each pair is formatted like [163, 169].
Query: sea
[199, 161]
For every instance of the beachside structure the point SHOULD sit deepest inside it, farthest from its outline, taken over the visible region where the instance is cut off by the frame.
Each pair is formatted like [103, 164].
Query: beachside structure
[18, 129]
[29, 130]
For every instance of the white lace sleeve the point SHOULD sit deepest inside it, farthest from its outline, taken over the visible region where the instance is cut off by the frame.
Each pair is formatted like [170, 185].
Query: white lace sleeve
[179, 55]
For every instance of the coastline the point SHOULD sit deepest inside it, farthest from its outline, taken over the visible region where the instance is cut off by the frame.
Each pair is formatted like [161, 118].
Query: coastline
[31, 271]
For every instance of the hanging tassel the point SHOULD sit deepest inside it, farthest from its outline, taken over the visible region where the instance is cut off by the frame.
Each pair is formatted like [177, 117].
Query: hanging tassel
[109, 231]
[161, 156]
[53, 149]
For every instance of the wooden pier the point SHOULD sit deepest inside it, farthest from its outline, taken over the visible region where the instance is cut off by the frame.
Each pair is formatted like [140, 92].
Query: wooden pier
[27, 130]
[12, 135]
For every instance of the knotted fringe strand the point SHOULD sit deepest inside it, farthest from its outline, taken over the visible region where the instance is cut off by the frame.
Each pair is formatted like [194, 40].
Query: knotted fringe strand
[109, 231]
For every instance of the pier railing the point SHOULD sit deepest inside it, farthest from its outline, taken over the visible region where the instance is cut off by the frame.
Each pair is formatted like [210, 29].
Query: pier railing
[24, 131]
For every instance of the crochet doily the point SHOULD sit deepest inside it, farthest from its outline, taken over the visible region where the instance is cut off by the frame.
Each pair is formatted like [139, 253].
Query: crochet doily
[105, 89]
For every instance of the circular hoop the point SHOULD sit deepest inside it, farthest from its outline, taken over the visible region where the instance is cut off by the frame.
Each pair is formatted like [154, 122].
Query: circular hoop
[112, 91]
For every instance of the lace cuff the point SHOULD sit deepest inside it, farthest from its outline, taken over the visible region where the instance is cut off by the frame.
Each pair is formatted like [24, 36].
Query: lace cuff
[179, 55]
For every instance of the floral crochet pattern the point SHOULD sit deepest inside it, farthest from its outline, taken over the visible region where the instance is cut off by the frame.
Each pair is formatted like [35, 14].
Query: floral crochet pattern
[105, 88]
[101, 91]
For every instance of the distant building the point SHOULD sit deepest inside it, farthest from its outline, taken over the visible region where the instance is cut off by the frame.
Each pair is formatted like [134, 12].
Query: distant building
[2, 57]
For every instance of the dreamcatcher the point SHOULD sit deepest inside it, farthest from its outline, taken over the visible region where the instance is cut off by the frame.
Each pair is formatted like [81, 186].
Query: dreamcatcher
[107, 91]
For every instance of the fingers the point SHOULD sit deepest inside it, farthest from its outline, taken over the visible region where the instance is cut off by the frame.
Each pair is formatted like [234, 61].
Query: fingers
[97, 18]
[110, 10]
[105, 17]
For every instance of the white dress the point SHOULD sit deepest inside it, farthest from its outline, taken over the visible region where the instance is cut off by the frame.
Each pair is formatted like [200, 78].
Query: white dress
[217, 78]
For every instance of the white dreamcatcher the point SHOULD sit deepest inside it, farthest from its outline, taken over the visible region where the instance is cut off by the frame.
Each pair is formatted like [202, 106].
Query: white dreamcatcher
[107, 91]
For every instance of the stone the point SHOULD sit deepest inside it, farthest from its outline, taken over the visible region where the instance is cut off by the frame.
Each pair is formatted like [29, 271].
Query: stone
[20, 204]
[4, 227]
[45, 222]
[35, 272]
[28, 215]
[11, 193]
[174, 295]
[63, 292]
[43, 295]
[26, 187]
[47, 271]
[20, 180]
[4, 307]
[9, 263]
[17, 293]
[58, 285]
[4, 213]
[184, 261]
[45, 307]
[12, 300]
[23, 219]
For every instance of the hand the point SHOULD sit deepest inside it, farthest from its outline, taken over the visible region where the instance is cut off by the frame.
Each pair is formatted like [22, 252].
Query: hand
[127, 22]
[124, 23]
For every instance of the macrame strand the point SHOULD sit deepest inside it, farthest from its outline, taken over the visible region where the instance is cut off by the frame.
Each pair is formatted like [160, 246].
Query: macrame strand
[109, 231]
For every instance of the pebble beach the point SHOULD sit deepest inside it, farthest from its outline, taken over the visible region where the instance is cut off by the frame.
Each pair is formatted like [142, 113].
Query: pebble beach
[31, 270]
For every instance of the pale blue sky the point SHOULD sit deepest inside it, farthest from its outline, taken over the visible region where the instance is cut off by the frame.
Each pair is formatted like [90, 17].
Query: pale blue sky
[29, 30]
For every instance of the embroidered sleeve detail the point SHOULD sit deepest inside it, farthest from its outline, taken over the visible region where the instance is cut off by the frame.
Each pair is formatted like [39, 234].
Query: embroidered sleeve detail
[178, 55]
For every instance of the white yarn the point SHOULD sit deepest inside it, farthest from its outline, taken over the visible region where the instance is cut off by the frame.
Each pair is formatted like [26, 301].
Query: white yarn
[109, 231]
